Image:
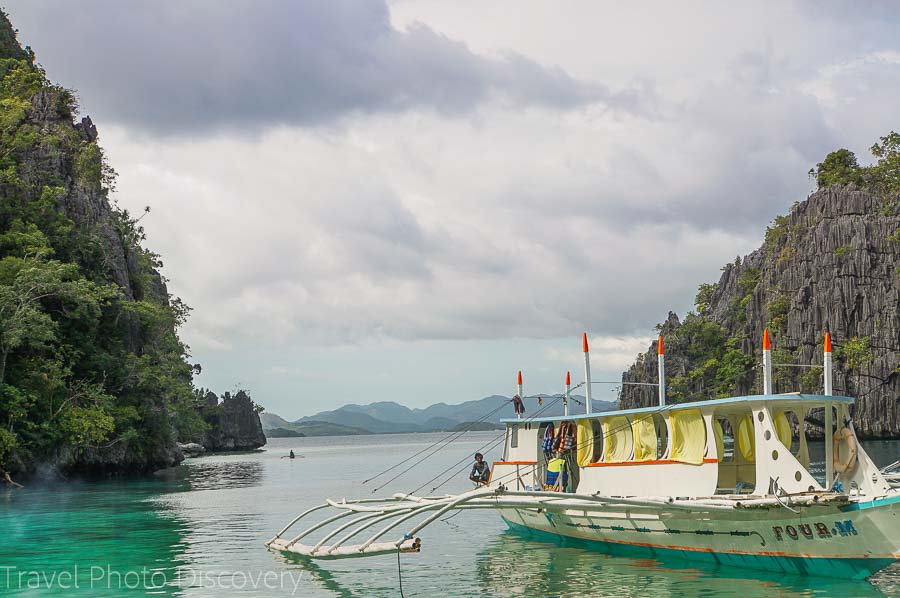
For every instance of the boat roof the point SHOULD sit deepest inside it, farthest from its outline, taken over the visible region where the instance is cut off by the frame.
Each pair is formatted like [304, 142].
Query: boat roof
[787, 398]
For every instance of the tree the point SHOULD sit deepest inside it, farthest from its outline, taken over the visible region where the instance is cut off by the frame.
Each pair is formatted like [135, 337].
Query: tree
[838, 168]
[886, 172]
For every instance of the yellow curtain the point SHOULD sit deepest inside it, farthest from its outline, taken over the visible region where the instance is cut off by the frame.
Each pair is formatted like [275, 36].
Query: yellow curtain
[746, 440]
[644, 433]
[584, 439]
[783, 429]
[720, 439]
[616, 439]
[688, 436]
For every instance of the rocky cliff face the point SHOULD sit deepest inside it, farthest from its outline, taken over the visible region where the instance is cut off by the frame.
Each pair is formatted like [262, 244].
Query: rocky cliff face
[832, 263]
[234, 423]
[101, 391]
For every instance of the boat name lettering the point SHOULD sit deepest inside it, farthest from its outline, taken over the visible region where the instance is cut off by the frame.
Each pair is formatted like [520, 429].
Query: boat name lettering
[810, 531]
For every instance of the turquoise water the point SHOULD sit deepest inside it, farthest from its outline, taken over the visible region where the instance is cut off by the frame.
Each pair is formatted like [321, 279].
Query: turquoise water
[198, 531]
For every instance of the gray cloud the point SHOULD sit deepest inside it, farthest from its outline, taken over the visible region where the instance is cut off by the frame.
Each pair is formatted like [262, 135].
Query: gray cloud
[205, 65]
[526, 219]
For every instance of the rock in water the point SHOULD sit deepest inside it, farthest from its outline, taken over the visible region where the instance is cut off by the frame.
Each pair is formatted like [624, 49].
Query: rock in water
[833, 262]
[234, 423]
[192, 449]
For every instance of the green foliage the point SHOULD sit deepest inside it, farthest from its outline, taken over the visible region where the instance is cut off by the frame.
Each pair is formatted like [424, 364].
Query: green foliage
[886, 172]
[8, 443]
[735, 368]
[811, 381]
[840, 167]
[747, 280]
[704, 296]
[722, 367]
[82, 364]
[894, 237]
[856, 353]
[777, 310]
[781, 226]
[843, 251]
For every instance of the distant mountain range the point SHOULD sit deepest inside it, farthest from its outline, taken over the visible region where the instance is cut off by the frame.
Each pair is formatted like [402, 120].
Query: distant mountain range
[388, 417]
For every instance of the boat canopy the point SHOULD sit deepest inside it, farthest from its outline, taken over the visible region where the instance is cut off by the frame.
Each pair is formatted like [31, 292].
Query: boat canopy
[711, 403]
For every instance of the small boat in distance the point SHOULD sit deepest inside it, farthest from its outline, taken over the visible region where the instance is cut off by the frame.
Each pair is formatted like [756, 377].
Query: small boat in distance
[724, 481]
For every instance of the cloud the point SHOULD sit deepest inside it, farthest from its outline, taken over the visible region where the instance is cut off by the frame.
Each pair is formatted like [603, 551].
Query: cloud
[244, 66]
[608, 353]
[335, 183]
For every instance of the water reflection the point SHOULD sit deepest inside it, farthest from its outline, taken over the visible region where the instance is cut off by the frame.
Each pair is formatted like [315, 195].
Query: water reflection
[518, 564]
[216, 474]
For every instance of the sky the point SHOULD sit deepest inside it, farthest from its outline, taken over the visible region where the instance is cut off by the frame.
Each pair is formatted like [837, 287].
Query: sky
[410, 200]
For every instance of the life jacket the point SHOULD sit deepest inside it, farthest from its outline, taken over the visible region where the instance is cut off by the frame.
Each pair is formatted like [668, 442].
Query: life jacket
[565, 439]
[547, 442]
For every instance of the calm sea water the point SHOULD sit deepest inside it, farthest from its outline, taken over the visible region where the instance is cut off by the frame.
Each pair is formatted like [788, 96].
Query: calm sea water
[198, 531]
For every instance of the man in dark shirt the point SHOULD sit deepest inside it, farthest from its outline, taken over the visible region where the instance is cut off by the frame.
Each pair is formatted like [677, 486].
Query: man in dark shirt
[480, 470]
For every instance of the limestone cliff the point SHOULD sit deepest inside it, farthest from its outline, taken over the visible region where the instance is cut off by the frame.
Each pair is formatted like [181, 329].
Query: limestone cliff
[234, 423]
[833, 262]
[93, 377]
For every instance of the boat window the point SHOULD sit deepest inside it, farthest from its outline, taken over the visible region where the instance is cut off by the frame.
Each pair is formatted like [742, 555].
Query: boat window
[617, 438]
[746, 441]
[662, 436]
[598, 440]
[645, 441]
[795, 430]
[783, 429]
[514, 437]
[724, 437]
[584, 442]
[688, 436]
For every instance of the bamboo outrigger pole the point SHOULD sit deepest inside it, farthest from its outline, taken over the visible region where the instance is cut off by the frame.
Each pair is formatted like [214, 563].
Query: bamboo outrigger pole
[519, 389]
[587, 372]
[767, 363]
[661, 356]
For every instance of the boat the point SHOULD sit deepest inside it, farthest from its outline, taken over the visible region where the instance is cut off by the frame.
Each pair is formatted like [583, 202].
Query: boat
[726, 481]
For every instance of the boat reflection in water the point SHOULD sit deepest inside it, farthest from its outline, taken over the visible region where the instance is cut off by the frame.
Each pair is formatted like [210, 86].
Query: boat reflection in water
[525, 564]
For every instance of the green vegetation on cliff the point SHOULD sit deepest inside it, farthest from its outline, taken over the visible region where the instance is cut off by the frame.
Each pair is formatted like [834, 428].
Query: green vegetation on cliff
[92, 373]
[841, 167]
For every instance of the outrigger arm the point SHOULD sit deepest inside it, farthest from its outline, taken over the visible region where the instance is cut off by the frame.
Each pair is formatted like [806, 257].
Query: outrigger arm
[404, 507]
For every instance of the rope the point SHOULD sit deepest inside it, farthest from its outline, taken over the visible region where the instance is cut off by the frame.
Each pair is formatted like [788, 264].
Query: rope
[452, 436]
[400, 573]
[486, 448]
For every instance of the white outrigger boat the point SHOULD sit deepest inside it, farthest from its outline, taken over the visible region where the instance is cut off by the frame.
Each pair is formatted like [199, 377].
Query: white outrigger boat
[664, 481]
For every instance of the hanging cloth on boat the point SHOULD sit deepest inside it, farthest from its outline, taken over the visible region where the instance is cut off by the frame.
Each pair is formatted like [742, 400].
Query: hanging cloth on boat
[644, 433]
[720, 439]
[617, 440]
[783, 429]
[518, 405]
[746, 440]
[688, 436]
[585, 442]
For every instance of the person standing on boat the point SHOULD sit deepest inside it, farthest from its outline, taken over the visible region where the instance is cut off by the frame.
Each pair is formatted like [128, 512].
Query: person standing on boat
[480, 470]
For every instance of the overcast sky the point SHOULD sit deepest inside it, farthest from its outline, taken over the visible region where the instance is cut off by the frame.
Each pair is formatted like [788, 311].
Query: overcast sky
[409, 200]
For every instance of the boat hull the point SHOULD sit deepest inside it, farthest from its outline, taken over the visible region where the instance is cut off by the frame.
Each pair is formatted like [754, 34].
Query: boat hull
[853, 541]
